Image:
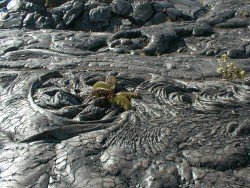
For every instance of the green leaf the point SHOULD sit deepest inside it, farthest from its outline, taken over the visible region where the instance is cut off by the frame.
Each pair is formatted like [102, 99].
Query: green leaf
[101, 85]
[122, 101]
[130, 95]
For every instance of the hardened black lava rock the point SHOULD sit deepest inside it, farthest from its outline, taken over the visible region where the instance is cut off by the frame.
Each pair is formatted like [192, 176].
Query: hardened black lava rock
[120, 7]
[94, 15]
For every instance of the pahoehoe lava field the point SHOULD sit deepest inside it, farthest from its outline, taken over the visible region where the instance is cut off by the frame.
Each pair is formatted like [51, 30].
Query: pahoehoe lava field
[165, 116]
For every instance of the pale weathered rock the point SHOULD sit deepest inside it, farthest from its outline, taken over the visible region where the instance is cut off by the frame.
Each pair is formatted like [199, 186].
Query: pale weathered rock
[15, 5]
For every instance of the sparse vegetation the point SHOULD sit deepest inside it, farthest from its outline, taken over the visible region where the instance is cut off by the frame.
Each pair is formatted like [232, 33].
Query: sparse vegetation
[106, 90]
[46, 3]
[228, 70]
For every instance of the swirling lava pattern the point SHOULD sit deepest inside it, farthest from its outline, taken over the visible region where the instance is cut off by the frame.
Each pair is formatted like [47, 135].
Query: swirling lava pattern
[172, 121]
[189, 129]
[164, 103]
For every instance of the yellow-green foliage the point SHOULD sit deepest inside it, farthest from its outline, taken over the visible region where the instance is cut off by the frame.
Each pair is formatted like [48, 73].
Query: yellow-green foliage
[101, 84]
[106, 90]
[229, 70]
[121, 101]
[46, 3]
[130, 95]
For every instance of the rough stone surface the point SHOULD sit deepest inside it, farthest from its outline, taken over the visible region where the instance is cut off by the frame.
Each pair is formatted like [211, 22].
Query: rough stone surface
[120, 7]
[73, 13]
[15, 5]
[100, 17]
[189, 129]
[142, 12]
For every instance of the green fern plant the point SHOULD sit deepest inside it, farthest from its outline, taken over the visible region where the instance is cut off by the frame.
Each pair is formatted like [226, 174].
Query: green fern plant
[229, 71]
[47, 3]
[122, 101]
[101, 84]
[106, 90]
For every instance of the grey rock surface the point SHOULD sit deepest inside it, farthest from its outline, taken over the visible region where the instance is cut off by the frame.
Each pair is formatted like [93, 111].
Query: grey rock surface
[99, 17]
[120, 7]
[142, 12]
[189, 129]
